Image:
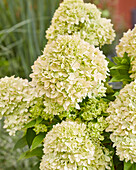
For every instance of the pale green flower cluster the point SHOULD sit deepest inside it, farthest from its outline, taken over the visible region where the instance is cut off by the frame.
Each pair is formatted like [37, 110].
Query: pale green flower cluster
[69, 70]
[92, 108]
[92, 112]
[74, 17]
[16, 96]
[38, 128]
[122, 123]
[128, 44]
[96, 128]
[68, 146]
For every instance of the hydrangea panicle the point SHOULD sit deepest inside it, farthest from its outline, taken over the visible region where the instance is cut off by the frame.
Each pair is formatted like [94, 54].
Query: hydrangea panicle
[16, 96]
[69, 70]
[122, 123]
[74, 17]
[68, 146]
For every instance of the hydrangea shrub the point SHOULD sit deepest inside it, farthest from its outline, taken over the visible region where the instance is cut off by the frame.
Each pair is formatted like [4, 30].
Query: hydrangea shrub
[71, 118]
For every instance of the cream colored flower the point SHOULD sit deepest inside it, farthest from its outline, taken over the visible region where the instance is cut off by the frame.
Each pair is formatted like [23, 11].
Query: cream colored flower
[69, 70]
[74, 17]
[68, 146]
[16, 96]
[122, 123]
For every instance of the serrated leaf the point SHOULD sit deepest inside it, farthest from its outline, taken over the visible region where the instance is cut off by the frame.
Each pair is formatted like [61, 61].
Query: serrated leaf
[20, 143]
[30, 135]
[37, 140]
[36, 152]
[30, 124]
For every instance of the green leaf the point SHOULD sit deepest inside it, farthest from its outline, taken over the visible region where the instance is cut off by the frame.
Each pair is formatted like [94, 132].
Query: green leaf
[20, 143]
[117, 60]
[30, 124]
[116, 94]
[121, 67]
[36, 152]
[119, 78]
[125, 61]
[37, 140]
[110, 63]
[38, 120]
[22, 156]
[30, 135]
[129, 166]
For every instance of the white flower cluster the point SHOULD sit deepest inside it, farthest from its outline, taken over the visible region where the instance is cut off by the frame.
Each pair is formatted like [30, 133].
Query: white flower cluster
[69, 70]
[128, 44]
[16, 96]
[74, 17]
[122, 123]
[68, 147]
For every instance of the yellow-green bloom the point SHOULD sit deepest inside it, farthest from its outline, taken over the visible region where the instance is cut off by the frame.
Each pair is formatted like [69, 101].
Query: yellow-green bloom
[122, 123]
[69, 70]
[16, 96]
[128, 44]
[68, 146]
[74, 17]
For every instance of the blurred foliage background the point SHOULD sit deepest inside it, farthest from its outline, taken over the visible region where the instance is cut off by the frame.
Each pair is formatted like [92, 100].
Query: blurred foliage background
[9, 156]
[22, 39]
[22, 33]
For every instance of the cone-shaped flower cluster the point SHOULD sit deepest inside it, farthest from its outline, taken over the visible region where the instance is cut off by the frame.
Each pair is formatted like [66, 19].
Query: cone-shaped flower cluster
[69, 70]
[74, 17]
[128, 44]
[122, 122]
[68, 146]
[16, 96]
